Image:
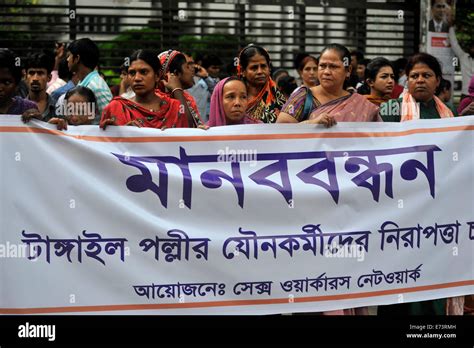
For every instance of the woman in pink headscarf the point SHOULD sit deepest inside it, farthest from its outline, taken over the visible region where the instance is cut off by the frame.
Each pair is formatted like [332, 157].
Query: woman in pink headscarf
[229, 103]
[466, 106]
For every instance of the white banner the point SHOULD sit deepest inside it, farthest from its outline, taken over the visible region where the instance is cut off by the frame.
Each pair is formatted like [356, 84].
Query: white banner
[255, 219]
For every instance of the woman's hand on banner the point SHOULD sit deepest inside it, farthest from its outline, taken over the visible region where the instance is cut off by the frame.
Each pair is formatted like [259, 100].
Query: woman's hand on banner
[107, 122]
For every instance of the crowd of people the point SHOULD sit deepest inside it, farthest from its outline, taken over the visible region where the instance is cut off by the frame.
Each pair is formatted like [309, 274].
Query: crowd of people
[174, 89]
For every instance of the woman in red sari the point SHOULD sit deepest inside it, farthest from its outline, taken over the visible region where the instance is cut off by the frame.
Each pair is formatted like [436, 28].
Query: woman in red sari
[177, 71]
[146, 109]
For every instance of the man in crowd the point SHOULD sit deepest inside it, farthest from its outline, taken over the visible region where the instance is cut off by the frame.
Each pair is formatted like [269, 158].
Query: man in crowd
[83, 58]
[38, 74]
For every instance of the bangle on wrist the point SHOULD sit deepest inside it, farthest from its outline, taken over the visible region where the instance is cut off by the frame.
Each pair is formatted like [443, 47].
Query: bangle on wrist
[176, 89]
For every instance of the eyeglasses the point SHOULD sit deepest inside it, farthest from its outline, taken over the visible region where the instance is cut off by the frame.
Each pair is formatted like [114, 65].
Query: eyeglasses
[440, 6]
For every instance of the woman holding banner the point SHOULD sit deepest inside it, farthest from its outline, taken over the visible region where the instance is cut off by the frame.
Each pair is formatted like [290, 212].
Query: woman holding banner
[329, 102]
[420, 102]
[146, 109]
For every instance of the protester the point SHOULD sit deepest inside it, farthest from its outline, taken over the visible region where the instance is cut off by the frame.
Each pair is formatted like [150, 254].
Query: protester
[83, 58]
[419, 102]
[38, 73]
[229, 103]
[10, 76]
[329, 100]
[380, 78]
[466, 106]
[308, 71]
[80, 108]
[178, 74]
[146, 108]
[265, 100]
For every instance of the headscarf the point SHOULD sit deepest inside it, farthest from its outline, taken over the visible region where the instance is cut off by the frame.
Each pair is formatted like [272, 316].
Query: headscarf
[469, 99]
[217, 113]
[411, 109]
[166, 58]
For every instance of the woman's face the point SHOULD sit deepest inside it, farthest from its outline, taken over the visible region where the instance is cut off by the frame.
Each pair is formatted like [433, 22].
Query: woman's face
[422, 82]
[309, 74]
[79, 110]
[361, 71]
[332, 72]
[257, 71]
[142, 77]
[7, 86]
[384, 82]
[234, 100]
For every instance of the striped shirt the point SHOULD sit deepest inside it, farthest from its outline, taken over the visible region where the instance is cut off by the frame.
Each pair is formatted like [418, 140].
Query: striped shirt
[102, 92]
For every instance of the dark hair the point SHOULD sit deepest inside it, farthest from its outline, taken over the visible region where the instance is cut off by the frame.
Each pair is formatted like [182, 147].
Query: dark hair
[278, 72]
[82, 91]
[8, 61]
[305, 61]
[249, 51]
[399, 65]
[148, 56]
[364, 61]
[343, 52]
[87, 50]
[40, 61]
[359, 55]
[211, 59]
[122, 68]
[443, 85]
[427, 59]
[63, 70]
[287, 84]
[433, 2]
[373, 68]
[176, 65]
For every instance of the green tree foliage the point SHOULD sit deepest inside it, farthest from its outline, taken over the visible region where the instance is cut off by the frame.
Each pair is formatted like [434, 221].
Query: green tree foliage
[465, 24]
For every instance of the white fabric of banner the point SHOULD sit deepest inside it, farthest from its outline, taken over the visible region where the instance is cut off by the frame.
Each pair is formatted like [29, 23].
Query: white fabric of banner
[251, 219]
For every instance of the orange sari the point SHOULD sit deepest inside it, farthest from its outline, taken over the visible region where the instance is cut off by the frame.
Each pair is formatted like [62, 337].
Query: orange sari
[266, 105]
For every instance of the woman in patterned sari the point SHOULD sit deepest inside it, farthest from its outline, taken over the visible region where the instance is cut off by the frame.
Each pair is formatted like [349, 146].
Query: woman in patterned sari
[329, 100]
[265, 100]
[328, 103]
